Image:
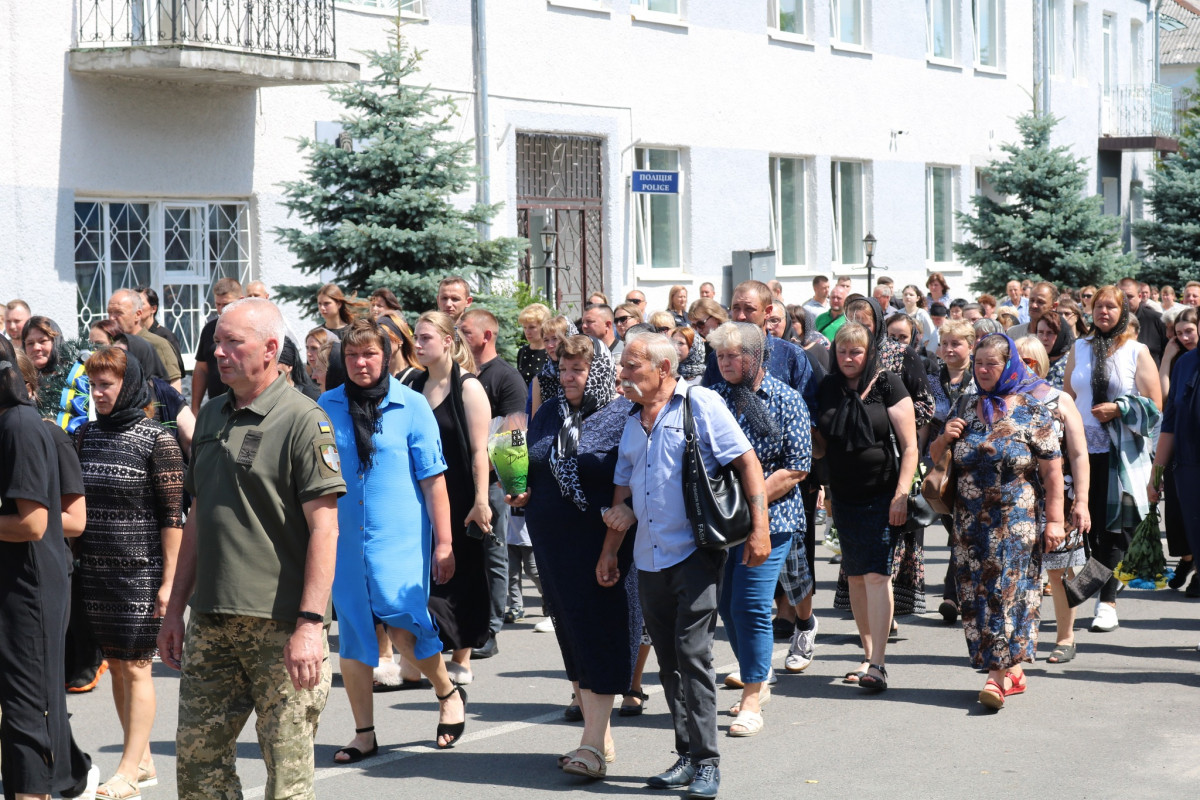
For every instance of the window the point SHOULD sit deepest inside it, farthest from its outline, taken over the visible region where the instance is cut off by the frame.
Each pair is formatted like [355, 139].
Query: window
[656, 225]
[788, 211]
[670, 7]
[846, 20]
[987, 32]
[787, 16]
[1108, 46]
[849, 212]
[1080, 43]
[414, 7]
[179, 247]
[940, 29]
[939, 214]
[1136, 56]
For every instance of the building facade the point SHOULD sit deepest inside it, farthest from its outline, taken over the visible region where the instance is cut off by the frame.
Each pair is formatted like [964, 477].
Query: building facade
[149, 138]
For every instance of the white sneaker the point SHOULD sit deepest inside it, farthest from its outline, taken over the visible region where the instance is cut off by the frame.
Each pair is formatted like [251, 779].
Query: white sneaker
[545, 626]
[800, 651]
[1105, 619]
[93, 783]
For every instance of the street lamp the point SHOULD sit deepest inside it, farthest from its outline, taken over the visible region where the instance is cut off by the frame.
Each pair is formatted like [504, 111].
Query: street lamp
[549, 238]
[869, 244]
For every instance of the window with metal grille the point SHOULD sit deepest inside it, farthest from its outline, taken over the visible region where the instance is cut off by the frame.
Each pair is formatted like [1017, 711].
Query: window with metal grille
[179, 247]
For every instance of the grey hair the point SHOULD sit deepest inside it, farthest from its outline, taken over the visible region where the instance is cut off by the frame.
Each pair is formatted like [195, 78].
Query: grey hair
[135, 298]
[732, 336]
[658, 348]
[266, 321]
[985, 326]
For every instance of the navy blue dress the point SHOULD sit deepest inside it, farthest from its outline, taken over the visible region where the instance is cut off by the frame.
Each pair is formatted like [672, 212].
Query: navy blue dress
[598, 628]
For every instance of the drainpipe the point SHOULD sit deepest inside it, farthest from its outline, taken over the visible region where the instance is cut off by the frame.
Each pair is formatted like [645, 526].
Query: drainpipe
[483, 192]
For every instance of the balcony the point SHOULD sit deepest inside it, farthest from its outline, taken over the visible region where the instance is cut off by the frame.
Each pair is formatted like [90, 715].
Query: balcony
[248, 43]
[1140, 117]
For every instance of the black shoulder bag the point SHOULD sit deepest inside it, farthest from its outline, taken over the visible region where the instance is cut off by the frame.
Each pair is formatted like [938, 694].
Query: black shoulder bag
[716, 506]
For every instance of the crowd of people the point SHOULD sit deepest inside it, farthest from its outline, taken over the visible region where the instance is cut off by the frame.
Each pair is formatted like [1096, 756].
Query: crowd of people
[348, 473]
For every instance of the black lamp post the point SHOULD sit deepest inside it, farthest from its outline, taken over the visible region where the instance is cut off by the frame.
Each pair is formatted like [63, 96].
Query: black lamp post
[869, 244]
[549, 238]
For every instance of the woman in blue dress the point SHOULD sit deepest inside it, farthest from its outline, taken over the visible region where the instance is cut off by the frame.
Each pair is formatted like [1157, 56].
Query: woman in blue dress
[1008, 510]
[572, 457]
[394, 532]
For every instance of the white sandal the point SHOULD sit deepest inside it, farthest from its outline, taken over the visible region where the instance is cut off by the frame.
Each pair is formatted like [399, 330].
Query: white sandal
[750, 723]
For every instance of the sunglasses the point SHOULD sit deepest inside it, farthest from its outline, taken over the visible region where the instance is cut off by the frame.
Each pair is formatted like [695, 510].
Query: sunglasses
[1030, 362]
[635, 302]
[1088, 296]
[699, 323]
[661, 330]
[619, 320]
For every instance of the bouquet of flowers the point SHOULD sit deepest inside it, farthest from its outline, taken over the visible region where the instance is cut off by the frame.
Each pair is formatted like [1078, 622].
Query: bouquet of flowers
[509, 453]
[1144, 566]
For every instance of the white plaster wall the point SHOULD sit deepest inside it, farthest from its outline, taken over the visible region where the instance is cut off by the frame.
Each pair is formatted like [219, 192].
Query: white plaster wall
[718, 88]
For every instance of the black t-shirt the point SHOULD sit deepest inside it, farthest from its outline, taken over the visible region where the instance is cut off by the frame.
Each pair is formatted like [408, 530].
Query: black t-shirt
[506, 389]
[1153, 331]
[70, 475]
[146, 355]
[871, 471]
[29, 471]
[205, 352]
[173, 340]
[818, 356]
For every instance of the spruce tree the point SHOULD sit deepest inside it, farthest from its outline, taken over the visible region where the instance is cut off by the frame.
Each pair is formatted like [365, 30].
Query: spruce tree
[1046, 229]
[382, 212]
[1171, 239]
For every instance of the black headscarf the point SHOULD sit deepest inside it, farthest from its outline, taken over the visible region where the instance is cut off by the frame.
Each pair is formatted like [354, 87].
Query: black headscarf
[364, 401]
[599, 390]
[850, 421]
[129, 408]
[12, 382]
[1063, 341]
[53, 362]
[1103, 345]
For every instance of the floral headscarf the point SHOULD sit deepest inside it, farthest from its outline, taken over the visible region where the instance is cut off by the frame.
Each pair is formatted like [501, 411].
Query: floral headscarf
[1015, 378]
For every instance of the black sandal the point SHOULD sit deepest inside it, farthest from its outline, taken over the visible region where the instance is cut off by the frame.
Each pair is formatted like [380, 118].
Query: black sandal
[873, 684]
[634, 711]
[356, 755]
[573, 712]
[454, 729]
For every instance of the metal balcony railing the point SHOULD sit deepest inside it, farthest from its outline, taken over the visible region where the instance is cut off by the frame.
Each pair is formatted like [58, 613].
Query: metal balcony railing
[289, 28]
[1147, 109]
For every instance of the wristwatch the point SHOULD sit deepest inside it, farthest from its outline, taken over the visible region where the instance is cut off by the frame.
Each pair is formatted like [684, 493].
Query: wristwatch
[311, 616]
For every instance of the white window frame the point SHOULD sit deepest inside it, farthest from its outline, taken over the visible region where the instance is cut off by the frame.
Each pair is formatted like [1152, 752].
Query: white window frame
[643, 219]
[775, 32]
[835, 23]
[641, 11]
[836, 217]
[1079, 42]
[775, 185]
[931, 221]
[998, 28]
[1108, 53]
[598, 6]
[951, 32]
[199, 274]
[406, 9]
[1137, 53]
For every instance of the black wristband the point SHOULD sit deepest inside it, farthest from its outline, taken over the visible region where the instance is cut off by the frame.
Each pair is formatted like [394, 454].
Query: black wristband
[311, 616]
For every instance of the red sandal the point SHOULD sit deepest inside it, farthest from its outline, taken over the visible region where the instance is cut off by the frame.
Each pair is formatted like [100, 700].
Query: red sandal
[1017, 688]
[992, 699]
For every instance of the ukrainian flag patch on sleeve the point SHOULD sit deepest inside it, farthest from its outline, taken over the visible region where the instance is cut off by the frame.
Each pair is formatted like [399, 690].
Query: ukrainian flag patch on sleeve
[323, 427]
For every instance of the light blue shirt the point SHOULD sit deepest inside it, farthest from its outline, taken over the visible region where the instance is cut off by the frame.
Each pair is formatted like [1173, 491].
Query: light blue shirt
[1022, 309]
[652, 467]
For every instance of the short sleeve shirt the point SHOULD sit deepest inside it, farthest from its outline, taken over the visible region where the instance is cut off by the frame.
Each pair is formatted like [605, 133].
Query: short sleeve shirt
[252, 470]
[166, 354]
[204, 352]
[870, 471]
[505, 388]
[791, 449]
[29, 471]
[651, 465]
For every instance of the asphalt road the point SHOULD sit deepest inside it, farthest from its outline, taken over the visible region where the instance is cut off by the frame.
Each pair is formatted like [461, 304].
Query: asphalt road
[1120, 721]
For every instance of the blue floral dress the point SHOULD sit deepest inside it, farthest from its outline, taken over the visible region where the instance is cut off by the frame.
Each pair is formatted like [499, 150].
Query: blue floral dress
[997, 540]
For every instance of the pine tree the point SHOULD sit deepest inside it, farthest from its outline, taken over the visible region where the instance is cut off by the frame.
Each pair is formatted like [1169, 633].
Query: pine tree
[1046, 229]
[1171, 239]
[382, 212]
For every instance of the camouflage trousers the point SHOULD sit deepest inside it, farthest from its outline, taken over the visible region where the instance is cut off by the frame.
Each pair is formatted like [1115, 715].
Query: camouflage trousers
[233, 665]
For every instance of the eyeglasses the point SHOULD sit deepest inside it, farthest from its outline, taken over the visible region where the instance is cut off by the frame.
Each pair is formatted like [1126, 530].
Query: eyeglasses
[774, 320]
[661, 329]
[635, 302]
[1087, 296]
[625, 318]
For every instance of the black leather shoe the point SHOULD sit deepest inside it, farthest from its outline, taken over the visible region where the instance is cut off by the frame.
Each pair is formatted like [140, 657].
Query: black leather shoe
[680, 774]
[949, 611]
[706, 783]
[489, 649]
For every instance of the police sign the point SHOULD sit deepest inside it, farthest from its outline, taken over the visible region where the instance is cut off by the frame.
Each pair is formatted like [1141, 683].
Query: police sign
[655, 182]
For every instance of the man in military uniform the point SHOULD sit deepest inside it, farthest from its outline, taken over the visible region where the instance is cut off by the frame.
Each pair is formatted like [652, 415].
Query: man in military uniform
[256, 562]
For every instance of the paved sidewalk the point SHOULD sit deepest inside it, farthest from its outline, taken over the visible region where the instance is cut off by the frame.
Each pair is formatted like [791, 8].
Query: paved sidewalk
[1117, 722]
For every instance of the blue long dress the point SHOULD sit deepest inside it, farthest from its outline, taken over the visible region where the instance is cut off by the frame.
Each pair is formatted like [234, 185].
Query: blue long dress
[385, 538]
[598, 628]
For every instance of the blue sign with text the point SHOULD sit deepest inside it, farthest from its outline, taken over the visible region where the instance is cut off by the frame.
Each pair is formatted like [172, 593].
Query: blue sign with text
[655, 182]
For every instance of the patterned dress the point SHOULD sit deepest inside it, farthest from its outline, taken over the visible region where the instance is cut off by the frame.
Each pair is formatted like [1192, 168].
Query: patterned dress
[998, 530]
[134, 483]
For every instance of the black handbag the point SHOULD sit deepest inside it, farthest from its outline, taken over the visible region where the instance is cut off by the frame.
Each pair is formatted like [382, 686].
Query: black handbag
[716, 506]
[920, 513]
[1088, 581]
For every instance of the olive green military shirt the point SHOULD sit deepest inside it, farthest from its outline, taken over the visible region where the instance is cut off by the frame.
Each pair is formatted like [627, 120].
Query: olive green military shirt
[166, 354]
[252, 470]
